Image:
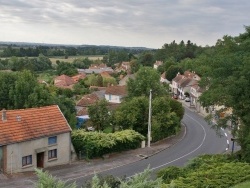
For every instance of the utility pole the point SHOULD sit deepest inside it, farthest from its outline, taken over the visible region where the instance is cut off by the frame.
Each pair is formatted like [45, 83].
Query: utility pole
[149, 117]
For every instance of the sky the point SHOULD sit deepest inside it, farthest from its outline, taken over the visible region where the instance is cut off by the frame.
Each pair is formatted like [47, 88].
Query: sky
[130, 23]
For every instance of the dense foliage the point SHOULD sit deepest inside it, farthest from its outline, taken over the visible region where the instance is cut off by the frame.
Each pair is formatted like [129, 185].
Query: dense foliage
[165, 120]
[40, 63]
[140, 180]
[96, 144]
[206, 171]
[20, 90]
[47, 180]
[146, 79]
[33, 50]
[225, 71]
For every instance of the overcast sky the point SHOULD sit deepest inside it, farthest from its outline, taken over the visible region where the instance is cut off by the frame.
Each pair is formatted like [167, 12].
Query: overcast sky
[140, 23]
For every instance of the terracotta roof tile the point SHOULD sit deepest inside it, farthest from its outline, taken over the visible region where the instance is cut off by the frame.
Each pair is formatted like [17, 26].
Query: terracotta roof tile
[105, 74]
[82, 112]
[27, 124]
[87, 100]
[63, 80]
[116, 90]
[78, 77]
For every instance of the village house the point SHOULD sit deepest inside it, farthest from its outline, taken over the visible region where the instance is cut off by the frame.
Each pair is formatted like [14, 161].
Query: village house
[157, 64]
[181, 84]
[115, 94]
[64, 81]
[125, 79]
[34, 138]
[96, 69]
[163, 78]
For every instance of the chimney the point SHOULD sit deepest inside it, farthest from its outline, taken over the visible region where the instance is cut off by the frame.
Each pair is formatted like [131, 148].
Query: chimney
[4, 116]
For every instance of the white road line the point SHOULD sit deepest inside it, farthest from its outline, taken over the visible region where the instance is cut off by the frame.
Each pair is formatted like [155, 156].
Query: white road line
[225, 134]
[204, 137]
[227, 141]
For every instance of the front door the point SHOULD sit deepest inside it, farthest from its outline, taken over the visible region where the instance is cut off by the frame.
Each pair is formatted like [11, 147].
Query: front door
[40, 159]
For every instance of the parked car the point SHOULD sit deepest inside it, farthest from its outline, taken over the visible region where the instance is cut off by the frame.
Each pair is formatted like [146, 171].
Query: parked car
[187, 99]
[175, 96]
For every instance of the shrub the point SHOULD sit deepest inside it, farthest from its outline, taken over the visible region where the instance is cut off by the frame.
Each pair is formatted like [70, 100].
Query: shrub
[96, 144]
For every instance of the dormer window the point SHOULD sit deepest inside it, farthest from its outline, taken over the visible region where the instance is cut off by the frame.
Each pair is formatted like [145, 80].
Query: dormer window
[52, 140]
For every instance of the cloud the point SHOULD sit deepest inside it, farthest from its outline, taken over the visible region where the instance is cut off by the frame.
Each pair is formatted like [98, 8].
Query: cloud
[128, 22]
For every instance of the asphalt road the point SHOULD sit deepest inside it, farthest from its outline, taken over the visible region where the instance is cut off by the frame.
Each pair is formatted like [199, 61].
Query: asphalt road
[200, 139]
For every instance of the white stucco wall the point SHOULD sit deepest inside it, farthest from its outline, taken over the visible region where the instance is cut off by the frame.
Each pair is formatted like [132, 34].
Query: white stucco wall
[113, 98]
[16, 151]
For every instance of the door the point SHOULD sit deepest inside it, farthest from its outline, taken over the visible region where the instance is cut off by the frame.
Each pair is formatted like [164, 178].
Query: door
[40, 160]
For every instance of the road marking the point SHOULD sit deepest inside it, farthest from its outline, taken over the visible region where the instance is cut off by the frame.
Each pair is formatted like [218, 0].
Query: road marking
[227, 141]
[225, 134]
[204, 137]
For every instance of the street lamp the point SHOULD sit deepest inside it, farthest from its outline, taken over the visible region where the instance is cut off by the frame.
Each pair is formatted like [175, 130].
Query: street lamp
[149, 118]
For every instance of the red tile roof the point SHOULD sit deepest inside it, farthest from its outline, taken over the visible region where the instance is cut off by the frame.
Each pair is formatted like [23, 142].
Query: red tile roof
[83, 112]
[116, 90]
[78, 77]
[105, 74]
[87, 100]
[28, 124]
[63, 80]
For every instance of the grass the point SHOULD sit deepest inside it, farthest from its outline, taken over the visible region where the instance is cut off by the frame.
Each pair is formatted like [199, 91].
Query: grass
[242, 185]
[70, 59]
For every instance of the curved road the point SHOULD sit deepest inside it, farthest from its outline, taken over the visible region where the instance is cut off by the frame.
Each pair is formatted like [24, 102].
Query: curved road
[199, 139]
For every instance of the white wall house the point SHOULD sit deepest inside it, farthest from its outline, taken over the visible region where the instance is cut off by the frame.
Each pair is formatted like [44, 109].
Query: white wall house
[157, 64]
[115, 94]
[34, 138]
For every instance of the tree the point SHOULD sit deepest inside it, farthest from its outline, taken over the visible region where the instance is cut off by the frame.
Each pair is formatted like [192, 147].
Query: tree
[22, 89]
[228, 84]
[47, 180]
[145, 79]
[146, 59]
[99, 114]
[172, 72]
[7, 81]
[133, 114]
[66, 68]
[140, 180]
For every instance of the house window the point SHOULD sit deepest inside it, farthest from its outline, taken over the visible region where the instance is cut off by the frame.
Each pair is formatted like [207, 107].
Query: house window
[52, 154]
[109, 97]
[52, 140]
[27, 160]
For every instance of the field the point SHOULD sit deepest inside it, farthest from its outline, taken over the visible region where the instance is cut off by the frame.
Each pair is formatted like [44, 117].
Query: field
[70, 59]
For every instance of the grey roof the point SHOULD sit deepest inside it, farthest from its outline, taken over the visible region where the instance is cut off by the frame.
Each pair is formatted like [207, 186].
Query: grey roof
[97, 71]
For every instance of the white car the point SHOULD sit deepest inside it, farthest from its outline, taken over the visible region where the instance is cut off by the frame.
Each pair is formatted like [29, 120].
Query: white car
[187, 99]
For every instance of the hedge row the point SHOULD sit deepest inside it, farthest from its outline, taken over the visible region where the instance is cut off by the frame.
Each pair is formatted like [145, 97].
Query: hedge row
[206, 171]
[97, 144]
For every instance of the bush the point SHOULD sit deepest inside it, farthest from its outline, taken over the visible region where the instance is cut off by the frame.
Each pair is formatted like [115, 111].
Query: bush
[96, 144]
[207, 171]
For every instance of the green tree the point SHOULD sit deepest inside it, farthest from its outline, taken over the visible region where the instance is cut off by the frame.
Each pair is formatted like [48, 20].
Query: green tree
[99, 115]
[172, 72]
[133, 114]
[146, 79]
[228, 83]
[66, 68]
[47, 180]
[146, 59]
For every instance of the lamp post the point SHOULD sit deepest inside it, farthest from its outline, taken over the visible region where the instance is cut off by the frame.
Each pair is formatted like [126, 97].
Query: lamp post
[149, 118]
